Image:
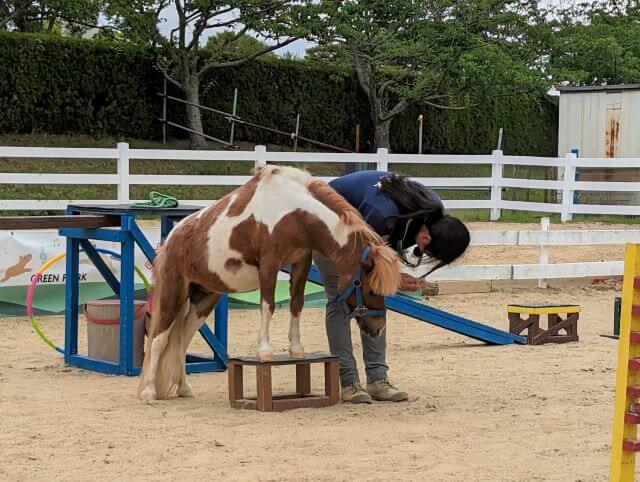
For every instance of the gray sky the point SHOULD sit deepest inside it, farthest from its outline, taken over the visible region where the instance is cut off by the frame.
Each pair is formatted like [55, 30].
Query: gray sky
[170, 20]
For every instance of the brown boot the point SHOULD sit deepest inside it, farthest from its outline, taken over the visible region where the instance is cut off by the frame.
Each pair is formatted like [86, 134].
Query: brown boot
[384, 390]
[355, 393]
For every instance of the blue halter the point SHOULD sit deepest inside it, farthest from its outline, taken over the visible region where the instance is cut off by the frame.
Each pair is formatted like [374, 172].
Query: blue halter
[356, 285]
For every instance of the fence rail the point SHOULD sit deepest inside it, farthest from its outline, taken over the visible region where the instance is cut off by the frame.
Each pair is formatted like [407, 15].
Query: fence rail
[566, 185]
[542, 270]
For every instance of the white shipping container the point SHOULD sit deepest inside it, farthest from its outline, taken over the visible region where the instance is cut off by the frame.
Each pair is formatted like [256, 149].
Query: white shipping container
[602, 122]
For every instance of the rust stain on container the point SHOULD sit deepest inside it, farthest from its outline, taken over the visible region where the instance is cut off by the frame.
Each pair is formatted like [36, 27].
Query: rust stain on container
[612, 137]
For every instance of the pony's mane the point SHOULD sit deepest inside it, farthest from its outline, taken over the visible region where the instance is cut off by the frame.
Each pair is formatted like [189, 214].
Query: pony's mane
[348, 214]
[385, 275]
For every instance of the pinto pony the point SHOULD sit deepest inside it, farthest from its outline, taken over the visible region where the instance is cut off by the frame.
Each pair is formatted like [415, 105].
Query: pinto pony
[239, 244]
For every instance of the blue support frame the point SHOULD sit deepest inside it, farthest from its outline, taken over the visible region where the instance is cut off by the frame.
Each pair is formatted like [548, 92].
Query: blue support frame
[71, 300]
[129, 235]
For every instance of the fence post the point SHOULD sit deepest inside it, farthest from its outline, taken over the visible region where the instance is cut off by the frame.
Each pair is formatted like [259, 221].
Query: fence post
[295, 139]
[234, 111]
[382, 162]
[261, 156]
[567, 188]
[544, 250]
[123, 172]
[496, 185]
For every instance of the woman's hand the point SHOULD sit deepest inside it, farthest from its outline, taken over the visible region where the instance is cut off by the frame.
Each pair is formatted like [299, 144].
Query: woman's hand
[423, 238]
[409, 283]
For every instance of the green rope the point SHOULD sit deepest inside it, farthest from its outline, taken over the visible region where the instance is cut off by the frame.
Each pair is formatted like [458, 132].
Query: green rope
[158, 200]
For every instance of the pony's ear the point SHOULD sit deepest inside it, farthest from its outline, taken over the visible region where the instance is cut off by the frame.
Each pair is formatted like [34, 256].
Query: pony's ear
[385, 275]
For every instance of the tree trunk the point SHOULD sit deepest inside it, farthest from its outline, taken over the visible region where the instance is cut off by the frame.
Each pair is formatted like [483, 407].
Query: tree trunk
[194, 116]
[381, 138]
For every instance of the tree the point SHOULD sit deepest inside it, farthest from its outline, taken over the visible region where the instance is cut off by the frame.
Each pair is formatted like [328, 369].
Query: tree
[182, 61]
[597, 44]
[240, 48]
[330, 53]
[49, 16]
[440, 53]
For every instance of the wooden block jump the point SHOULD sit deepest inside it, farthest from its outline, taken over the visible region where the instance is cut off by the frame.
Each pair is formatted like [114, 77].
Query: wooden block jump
[536, 335]
[303, 398]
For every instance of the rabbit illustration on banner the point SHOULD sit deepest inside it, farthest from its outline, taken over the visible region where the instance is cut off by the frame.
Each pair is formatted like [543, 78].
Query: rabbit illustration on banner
[17, 269]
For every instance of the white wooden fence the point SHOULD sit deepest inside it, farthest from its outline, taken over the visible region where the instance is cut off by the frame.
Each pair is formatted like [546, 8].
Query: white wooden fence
[542, 270]
[123, 178]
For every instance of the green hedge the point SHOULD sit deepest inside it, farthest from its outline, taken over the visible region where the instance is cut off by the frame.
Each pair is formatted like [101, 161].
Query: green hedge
[58, 85]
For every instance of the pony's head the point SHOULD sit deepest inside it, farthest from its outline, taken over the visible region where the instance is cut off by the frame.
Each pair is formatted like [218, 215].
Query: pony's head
[380, 277]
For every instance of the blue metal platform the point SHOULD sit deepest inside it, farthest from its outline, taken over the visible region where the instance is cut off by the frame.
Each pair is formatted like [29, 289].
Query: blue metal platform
[129, 235]
[443, 319]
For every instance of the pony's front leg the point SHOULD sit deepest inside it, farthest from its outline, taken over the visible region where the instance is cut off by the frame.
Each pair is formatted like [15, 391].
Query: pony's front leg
[268, 277]
[299, 274]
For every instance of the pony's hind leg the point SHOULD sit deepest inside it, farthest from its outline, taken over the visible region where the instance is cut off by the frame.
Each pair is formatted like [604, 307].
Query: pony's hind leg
[299, 274]
[168, 307]
[202, 305]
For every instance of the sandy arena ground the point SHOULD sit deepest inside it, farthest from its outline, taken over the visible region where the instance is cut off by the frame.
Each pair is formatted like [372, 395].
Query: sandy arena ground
[476, 412]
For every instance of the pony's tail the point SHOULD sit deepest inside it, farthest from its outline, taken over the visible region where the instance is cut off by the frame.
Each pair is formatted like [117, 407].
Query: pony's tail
[170, 364]
[170, 368]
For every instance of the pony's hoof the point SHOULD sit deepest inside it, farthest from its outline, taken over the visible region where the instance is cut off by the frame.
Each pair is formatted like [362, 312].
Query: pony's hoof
[265, 356]
[148, 394]
[185, 391]
[297, 354]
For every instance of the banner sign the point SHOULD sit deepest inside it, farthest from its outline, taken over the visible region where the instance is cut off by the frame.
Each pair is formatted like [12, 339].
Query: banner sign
[22, 253]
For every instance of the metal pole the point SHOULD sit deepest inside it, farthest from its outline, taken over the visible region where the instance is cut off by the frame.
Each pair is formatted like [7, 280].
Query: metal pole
[357, 137]
[289, 135]
[233, 113]
[499, 148]
[420, 123]
[295, 139]
[206, 136]
[164, 111]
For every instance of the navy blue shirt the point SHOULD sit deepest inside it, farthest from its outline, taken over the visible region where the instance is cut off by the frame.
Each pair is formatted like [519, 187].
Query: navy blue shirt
[362, 190]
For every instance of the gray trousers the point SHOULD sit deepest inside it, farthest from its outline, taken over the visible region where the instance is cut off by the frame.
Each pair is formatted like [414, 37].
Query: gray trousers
[339, 333]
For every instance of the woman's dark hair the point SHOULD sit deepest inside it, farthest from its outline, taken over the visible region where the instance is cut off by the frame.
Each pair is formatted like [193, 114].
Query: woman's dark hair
[418, 206]
[412, 198]
[449, 240]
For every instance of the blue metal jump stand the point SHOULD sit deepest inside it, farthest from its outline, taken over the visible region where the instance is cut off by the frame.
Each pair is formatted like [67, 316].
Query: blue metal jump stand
[128, 235]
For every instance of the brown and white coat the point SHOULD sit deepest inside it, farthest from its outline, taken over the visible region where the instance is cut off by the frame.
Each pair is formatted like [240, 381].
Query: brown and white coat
[239, 244]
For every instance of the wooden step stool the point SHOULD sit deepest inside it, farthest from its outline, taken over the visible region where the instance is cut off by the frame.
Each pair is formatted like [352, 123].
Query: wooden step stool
[303, 398]
[537, 335]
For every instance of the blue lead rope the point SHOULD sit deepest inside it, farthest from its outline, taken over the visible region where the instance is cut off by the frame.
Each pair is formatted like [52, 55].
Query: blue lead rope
[356, 285]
